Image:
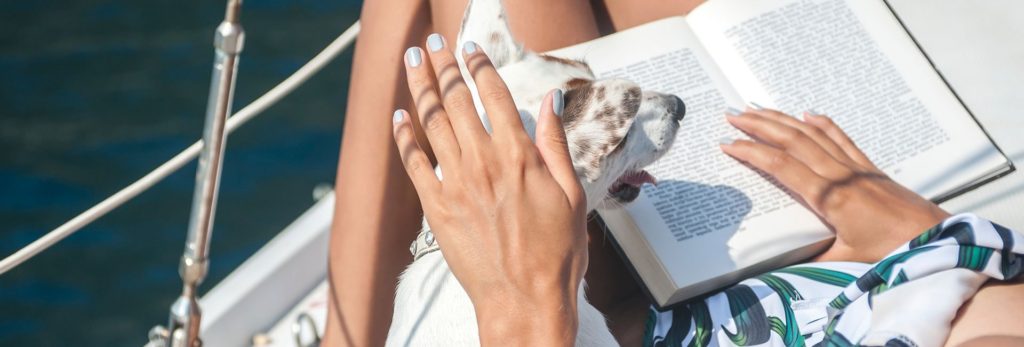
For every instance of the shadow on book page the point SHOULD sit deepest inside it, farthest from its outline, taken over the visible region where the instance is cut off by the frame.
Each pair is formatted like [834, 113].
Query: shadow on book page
[700, 220]
[693, 210]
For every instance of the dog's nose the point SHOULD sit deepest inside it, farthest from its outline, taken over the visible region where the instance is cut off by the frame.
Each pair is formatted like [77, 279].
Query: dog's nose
[679, 110]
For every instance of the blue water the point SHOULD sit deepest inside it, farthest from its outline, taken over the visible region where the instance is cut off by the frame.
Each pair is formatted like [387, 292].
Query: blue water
[96, 93]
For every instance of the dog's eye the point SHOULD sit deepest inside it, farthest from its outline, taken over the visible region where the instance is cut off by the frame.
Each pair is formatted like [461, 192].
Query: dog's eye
[578, 93]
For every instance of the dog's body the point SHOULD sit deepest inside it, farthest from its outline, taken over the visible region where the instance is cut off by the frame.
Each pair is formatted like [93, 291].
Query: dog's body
[614, 129]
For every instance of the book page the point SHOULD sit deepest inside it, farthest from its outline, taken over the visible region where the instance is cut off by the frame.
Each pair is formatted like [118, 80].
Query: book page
[851, 60]
[704, 198]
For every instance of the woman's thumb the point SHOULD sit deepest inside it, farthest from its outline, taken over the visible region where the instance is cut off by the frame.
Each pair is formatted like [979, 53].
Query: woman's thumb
[553, 146]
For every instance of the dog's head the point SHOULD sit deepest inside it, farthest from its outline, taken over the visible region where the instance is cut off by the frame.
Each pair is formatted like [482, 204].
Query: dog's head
[613, 127]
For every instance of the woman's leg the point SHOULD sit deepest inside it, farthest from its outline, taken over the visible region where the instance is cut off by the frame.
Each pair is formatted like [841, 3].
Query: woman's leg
[617, 15]
[993, 317]
[376, 211]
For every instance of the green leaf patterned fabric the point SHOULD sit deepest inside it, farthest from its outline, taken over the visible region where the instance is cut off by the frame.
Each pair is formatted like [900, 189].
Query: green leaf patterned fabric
[747, 313]
[823, 275]
[678, 331]
[701, 324]
[973, 257]
[788, 330]
[827, 304]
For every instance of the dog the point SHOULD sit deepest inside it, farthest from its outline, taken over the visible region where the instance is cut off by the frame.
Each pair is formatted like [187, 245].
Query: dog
[613, 128]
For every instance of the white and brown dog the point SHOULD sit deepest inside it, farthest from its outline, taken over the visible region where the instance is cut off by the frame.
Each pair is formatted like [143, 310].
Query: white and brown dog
[614, 129]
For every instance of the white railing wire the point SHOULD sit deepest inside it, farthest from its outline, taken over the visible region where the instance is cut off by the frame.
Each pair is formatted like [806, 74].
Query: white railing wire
[131, 191]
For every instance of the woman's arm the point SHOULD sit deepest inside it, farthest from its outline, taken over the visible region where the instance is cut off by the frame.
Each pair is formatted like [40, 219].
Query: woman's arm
[376, 211]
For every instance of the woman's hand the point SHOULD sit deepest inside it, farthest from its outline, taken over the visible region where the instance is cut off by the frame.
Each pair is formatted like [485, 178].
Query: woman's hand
[509, 215]
[870, 214]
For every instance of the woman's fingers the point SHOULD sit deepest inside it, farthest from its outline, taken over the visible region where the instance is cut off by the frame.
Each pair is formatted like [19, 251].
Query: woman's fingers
[458, 101]
[839, 137]
[791, 172]
[500, 108]
[792, 141]
[416, 163]
[554, 149]
[433, 117]
[812, 132]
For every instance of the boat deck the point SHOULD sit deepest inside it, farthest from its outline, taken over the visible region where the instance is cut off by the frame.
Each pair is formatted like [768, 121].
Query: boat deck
[969, 42]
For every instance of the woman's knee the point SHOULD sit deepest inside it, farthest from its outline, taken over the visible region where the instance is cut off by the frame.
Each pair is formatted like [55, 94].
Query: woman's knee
[540, 25]
[617, 15]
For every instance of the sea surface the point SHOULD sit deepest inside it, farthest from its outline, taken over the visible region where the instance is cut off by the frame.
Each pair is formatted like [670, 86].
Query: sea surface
[96, 93]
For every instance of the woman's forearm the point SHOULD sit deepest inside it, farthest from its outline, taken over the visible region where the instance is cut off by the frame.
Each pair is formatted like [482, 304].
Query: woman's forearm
[376, 210]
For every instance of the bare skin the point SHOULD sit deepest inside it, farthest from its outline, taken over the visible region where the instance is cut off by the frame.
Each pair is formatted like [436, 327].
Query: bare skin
[993, 317]
[375, 219]
[377, 212]
[618, 15]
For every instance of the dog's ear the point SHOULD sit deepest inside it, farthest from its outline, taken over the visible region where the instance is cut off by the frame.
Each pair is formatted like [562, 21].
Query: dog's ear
[485, 24]
[596, 118]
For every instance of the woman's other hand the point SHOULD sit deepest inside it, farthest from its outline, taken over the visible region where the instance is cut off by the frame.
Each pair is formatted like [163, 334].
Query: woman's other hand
[509, 215]
[869, 212]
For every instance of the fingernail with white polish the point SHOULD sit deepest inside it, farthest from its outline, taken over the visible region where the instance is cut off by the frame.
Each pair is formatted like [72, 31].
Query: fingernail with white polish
[469, 47]
[413, 57]
[435, 42]
[398, 116]
[557, 102]
[755, 106]
[726, 141]
[732, 112]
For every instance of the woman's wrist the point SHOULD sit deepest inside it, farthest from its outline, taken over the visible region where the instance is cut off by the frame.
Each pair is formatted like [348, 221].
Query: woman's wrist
[551, 320]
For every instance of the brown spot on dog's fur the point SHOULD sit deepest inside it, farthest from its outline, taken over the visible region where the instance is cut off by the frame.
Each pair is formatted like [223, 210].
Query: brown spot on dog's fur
[611, 126]
[612, 117]
[495, 39]
[577, 83]
[607, 113]
[571, 62]
[577, 96]
[584, 146]
[632, 99]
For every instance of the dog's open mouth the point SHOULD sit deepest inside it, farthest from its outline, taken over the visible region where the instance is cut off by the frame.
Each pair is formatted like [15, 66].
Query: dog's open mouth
[627, 187]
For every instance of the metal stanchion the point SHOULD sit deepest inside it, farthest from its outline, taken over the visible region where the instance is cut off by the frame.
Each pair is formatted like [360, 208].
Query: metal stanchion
[182, 329]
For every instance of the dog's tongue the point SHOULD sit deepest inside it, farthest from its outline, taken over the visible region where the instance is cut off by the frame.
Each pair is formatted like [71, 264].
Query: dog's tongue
[638, 178]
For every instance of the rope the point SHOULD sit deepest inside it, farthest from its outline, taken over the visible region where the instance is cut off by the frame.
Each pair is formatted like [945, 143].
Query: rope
[178, 161]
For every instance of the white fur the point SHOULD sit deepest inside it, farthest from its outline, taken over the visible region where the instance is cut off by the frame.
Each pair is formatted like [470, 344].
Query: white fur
[431, 308]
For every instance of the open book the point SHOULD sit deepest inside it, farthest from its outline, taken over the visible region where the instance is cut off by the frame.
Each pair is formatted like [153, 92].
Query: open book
[712, 221]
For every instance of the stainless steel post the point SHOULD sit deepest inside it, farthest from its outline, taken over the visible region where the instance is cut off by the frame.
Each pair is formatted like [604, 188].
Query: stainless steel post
[183, 326]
